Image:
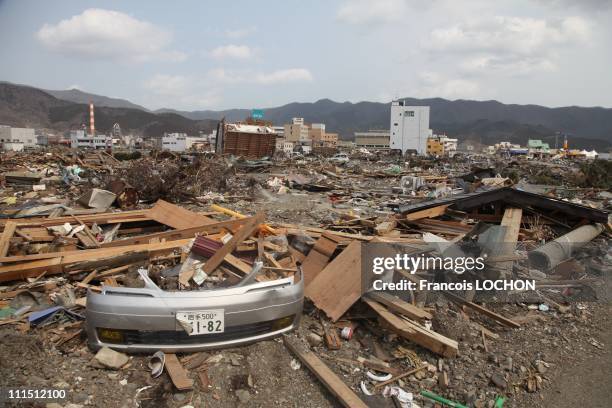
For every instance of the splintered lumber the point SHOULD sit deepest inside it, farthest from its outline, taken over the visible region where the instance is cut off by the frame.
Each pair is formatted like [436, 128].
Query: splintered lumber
[59, 261]
[101, 218]
[5, 238]
[512, 222]
[427, 213]
[177, 373]
[236, 214]
[426, 338]
[332, 382]
[179, 233]
[175, 216]
[318, 257]
[386, 227]
[498, 318]
[301, 229]
[397, 305]
[337, 287]
[243, 233]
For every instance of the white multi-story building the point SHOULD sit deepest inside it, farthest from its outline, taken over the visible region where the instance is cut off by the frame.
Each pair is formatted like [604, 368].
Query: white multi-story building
[449, 145]
[409, 127]
[17, 138]
[175, 142]
[79, 139]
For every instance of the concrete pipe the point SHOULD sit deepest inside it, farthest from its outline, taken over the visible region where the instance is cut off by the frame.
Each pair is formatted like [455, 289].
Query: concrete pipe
[553, 253]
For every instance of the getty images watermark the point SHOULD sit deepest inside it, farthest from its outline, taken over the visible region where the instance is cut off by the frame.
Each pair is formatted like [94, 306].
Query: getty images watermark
[399, 267]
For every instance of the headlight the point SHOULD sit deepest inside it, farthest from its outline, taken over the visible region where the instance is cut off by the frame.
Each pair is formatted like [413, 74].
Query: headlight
[110, 335]
[283, 322]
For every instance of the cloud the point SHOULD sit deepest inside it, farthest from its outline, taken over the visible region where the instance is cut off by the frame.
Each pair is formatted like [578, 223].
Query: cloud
[372, 12]
[107, 34]
[240, 32]
[284, 76]
[517, 45]
[168, 85]
[180, 91]
[437, 85]
[525, 36]
[232, 51]
[270, 78]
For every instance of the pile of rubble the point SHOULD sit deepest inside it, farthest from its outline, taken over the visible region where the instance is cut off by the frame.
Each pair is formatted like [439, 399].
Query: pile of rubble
[92, 251]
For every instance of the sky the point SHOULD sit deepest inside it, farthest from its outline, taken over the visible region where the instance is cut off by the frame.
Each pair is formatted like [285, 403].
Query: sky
[198, 55]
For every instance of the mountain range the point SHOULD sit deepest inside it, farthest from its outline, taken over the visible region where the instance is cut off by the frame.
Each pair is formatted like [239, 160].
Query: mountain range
[486, 122]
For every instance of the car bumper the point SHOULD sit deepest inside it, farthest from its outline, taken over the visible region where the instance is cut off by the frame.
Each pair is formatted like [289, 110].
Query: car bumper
[144, 319]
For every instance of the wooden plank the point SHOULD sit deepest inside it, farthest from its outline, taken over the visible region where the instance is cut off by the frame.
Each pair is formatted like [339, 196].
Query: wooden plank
[512, 222]
[386, 227]
[427, 213]
[61, 260]
[179, 233]
[332, 382]
[5, 238]
[100, 219]
[498, 318]
[177, 373]
[243, 233]
[318, 257]
[175, 216]
[426, 338]
[397, 305]
[337, 287]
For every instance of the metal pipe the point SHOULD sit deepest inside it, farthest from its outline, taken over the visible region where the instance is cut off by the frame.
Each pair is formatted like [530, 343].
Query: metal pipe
[563, 248]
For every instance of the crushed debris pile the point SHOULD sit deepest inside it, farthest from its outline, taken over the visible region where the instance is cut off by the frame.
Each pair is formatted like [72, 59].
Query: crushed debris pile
[141, 278]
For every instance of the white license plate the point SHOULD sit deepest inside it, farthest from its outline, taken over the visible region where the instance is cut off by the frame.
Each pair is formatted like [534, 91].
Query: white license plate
[202, 321]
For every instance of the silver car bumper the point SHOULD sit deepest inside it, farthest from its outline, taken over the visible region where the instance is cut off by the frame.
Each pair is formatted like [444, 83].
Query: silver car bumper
[144, 319]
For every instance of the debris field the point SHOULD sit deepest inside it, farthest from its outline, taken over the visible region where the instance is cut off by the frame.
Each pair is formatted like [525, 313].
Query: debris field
[85, 234]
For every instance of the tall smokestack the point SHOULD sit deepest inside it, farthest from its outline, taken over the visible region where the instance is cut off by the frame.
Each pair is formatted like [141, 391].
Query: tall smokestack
[92, 127]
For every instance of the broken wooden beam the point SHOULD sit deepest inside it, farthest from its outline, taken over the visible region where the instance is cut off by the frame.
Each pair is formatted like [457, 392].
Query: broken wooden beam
[397, 305]
[426, 338]
[243, 233]
[332, 382]
[498, 318]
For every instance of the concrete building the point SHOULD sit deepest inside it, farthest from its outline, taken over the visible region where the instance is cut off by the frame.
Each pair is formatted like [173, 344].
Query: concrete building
[79, 139]
[174, 142]
[373, 139]
[435, 147]
[297, 131]
[17, 139]
[409, 128]
[279, 130]
[441, 145]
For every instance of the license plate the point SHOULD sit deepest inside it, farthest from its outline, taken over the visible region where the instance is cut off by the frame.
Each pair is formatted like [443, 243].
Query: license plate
[202, 321]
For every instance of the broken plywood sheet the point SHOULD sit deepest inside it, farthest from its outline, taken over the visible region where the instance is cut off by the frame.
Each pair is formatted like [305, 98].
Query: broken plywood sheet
[176, 217]
[337, 287]
[318, 257]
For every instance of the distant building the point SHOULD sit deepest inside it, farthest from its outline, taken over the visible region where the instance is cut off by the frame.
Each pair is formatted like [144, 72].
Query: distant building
[537, 147]
[373, 139]
[116, 131]
[441, 145]
[174, 142]
[297, 131]
[279, 130]
[282, 145]
[251, 141]
[435, 147]
[79, 139]
[345, 144]
[409, 128]
[16, 139]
